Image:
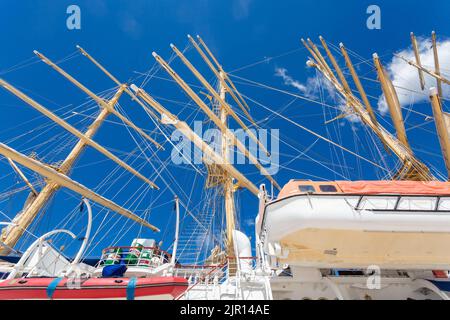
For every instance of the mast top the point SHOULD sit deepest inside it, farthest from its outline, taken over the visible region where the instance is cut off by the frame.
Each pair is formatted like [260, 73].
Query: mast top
[433, 91]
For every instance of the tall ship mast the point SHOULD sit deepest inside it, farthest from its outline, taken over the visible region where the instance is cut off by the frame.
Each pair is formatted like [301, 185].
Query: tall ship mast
[314, 239]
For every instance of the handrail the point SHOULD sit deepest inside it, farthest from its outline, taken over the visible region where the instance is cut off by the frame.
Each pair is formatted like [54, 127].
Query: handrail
[218, 267]
[121, 255]
[398, 197]
[135, 247]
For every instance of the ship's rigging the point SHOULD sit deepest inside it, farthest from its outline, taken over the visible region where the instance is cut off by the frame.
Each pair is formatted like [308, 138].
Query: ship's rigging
[223, 103]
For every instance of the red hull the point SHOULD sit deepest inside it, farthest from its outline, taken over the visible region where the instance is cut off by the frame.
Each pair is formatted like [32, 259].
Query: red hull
[93, 288]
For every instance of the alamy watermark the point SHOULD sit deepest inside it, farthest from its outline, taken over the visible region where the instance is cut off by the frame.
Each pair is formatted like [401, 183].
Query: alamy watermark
[73, 21]
[374, 20]
[266, 152]
[374, 277]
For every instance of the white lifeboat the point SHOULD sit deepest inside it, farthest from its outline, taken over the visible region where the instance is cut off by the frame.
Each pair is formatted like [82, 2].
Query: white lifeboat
[342, 224]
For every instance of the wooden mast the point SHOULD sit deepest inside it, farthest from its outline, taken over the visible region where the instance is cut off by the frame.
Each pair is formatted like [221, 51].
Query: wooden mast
[228, 188]
[11, 235]
[442, 127]
[347, 90]
[184, 128]
[437, 70]
[412, 167]
[216, 72]
[97, 99]
[23, 176]
[221, 120]
[417, 56]
[323, 67]
[358, 84]
[75, 131]
[64, 181]
[216, 119]
[392, 101]
[217, 96]
[224, 74]
[114, 79]
[431, 73]
[227, 108]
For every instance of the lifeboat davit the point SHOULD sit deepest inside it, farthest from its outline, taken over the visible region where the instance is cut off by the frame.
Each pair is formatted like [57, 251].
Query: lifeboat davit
[391, 224]
[154, 288]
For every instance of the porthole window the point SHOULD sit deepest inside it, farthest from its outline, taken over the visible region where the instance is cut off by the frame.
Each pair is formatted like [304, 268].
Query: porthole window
[306, 188]
[327, 188]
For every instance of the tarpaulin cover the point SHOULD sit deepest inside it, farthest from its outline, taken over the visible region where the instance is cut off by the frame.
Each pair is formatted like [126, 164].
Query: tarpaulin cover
[114, 271]
[395, 187]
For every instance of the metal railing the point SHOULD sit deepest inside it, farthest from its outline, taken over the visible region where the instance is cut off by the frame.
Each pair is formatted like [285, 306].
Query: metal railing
[213, 275]
[134, 256]
[435, 202]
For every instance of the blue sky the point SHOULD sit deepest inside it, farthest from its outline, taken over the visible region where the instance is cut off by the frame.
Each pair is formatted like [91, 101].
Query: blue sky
[122, 36]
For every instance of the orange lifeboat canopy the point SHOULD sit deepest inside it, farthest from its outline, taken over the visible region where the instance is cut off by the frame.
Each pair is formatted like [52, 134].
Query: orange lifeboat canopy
[366, 187]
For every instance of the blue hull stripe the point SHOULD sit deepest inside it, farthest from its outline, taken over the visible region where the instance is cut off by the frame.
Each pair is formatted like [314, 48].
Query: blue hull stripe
[131, 287]
[52, 286]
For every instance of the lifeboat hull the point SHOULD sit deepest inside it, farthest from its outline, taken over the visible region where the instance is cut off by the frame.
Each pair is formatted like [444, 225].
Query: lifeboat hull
[155, 288]
[327, 231]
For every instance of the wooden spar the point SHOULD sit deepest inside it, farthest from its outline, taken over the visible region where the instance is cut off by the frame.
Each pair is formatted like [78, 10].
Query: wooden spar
[224, 74]
[343, 84]
[417, 56]
[114, 79]
[431, 73]
[217, 121]
[436, 62]
[347, 90]
[230, 111]
[321, 59]
[335, 66]
[228, 188]
[87, 55]
[218, 65]
[26, 217]
[96, 98]
[392, 101]
[358, 84]
[346, 93]
[217, 96]
[223, 82]
[199, 143]
[414, 168]
[315, 53]
[441, 127]
[311, 51]
[22, 176]
[65, 181]
[74, 131]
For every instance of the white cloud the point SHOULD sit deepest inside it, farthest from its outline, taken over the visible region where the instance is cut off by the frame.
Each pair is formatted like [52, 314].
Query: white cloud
[405, 76]
[288, 80]
[315, 86]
